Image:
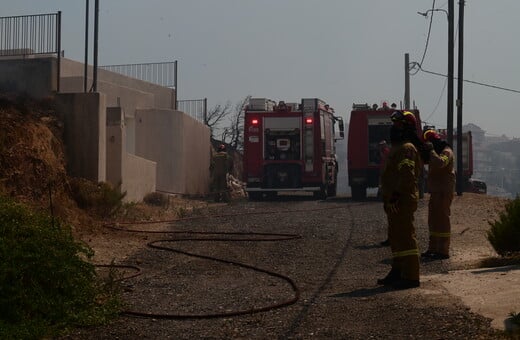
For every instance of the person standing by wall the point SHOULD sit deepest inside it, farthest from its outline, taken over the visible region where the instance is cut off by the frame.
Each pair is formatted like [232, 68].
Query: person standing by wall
[400, 197]
[221, 165]
[441, 185]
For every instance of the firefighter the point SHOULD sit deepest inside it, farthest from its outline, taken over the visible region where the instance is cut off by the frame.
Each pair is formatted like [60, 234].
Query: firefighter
[400, 197]
[441, 185]
[221, 165]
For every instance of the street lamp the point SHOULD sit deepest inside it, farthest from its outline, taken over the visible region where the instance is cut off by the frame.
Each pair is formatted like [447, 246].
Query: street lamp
[425, 14]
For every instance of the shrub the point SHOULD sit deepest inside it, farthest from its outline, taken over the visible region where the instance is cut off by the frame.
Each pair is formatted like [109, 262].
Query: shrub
[100, 198]
[504, 234]
[156, 199]
[46, 285]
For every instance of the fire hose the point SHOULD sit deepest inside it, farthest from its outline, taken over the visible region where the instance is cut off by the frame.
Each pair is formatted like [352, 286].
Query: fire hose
[216, 237]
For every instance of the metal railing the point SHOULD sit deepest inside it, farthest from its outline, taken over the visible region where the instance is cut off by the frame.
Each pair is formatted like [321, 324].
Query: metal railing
[196, 108]
[31, 35]
[163, 74]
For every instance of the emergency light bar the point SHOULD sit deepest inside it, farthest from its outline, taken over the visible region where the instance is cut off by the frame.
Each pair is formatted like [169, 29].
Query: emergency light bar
[308, 120]
[254, 122]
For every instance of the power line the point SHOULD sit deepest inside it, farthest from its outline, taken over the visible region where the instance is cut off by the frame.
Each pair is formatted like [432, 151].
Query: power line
[468, 81]
[428, 37]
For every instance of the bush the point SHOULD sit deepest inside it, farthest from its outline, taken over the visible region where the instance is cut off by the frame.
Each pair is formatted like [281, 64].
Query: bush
[156, 199]
[100, 198]
[45, 283]
[504, 234]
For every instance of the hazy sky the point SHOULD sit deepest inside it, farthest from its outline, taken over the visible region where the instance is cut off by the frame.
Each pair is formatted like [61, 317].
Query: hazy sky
[342, 51]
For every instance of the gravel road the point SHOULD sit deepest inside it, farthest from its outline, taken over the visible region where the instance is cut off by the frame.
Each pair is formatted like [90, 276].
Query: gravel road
[330, 251]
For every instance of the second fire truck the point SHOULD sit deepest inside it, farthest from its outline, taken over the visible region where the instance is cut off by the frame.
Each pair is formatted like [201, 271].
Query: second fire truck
[290, 147]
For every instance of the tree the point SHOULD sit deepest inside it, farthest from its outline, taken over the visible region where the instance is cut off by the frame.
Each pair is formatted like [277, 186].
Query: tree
[227, 123]
[216, 115]
[233, 134]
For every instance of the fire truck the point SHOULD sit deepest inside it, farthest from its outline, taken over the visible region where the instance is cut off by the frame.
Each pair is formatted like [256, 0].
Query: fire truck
[290, 147]
[368, 127]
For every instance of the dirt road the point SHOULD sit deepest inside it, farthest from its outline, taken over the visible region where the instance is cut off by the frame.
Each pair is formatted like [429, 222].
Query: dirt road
[328, 249]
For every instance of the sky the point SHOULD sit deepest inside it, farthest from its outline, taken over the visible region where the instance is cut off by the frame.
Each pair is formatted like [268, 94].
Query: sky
[342, 51]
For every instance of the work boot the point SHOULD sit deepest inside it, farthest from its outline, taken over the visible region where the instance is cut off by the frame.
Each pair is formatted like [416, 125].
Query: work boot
[393, 275]
[405, 284]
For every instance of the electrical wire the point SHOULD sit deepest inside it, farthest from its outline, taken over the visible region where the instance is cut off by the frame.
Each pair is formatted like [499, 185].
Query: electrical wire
[428, 36]
[470, 81]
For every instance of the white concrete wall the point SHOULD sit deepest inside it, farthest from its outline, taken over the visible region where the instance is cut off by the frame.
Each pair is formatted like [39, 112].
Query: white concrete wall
[136, 175]
[115, 145]
[181, 147]
[139, 177]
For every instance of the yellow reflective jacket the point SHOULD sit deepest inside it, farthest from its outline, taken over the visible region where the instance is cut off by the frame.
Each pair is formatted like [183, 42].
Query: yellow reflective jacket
[441, 175]
[401, 172]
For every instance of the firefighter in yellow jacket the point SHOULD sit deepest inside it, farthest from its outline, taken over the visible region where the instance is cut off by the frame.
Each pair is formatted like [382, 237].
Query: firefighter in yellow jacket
[221, 165]
[400, 197]
[441, 185]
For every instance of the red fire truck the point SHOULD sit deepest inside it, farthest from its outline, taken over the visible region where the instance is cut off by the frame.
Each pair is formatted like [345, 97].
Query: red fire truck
[367, 128]
[290, 147]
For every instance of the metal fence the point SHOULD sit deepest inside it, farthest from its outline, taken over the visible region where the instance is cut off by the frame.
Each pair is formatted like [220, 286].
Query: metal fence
[197, 108]
[163, 74]
[31, 35]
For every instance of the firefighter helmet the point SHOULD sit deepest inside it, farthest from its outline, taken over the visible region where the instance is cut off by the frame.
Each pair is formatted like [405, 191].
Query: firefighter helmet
[430, 135]
[406, 118]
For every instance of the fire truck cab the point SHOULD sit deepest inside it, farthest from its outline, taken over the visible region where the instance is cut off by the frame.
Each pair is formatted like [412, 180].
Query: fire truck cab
[290, 147]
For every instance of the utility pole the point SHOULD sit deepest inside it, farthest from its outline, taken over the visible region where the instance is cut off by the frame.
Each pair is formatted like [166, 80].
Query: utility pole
[460, 81]
[406, 81]
[85, 67]
[96, 39]
[451, 48]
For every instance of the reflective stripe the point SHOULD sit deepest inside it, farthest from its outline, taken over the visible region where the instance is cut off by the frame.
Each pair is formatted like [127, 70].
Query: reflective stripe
[220, 155]
[439, 234]
[404, 162]
[445, 159]
[406, 253]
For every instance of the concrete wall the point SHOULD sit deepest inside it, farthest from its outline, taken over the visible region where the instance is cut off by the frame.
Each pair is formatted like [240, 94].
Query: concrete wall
[115, 145]
[139, 177]
[172, 150]
[129, 93]
[136, 175]
[127, 98]
[36, 77]
[163, 97]
[84, 117]
[181, 147]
